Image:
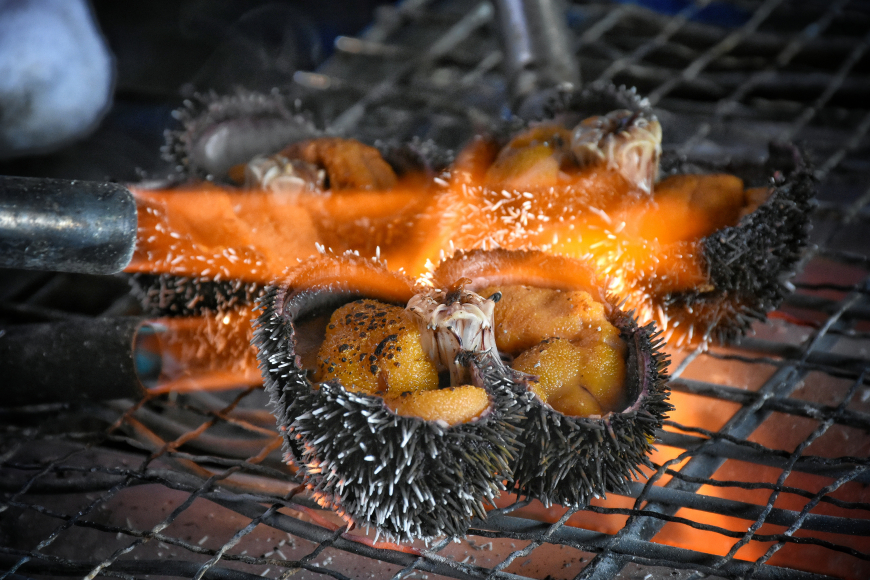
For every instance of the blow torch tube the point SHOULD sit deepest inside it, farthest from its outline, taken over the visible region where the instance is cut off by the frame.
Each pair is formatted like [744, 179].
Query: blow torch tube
[120, 358]
[66, 226]
[75, 360]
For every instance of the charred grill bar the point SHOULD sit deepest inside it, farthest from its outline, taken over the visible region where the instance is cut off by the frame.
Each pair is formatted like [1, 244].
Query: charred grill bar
[788, 468]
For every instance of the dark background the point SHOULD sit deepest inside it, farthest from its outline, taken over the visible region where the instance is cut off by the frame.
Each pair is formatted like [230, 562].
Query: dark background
[167, 50]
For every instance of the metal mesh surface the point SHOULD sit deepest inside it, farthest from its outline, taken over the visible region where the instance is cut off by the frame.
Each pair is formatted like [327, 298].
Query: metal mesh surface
[761, 472]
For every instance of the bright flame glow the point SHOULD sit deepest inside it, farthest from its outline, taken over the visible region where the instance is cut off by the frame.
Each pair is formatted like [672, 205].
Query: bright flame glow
[209, 352]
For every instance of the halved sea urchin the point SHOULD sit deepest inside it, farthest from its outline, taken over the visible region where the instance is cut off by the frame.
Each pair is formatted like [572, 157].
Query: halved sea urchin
[598, 379]
[404, 419]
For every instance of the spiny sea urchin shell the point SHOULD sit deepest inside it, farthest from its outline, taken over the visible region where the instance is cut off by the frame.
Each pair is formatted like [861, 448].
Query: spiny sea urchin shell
[405, 476]
[749, 263]
[417, 156]
[219, 132]
[168, 295]
[568, 106]
[569, 459]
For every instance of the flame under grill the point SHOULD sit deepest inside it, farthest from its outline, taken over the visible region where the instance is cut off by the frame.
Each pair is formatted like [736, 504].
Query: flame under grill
[762, 471]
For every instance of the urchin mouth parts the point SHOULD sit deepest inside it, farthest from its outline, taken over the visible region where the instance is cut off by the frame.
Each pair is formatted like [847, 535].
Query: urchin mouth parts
[628, 142]
[279, 173]
[454, 324]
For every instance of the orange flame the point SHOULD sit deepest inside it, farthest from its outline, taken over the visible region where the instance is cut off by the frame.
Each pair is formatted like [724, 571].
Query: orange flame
[209, 352]
[644, 245]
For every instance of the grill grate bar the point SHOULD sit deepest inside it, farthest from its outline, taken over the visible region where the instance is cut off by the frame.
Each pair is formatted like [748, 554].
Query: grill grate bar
[727, 105]
[854, 141]
[534, 544]
[836, 82]
[796, 454]
[730, 450]
[52, 565]
[63, 467]
[670, 28]
[743, 510]
[789, 406]
[338, 540]
[665, 495]
[651, 553]
[799, 522]
[477, 17]
[784, 538]
[724, 46]
[771, 486]
[699, 465]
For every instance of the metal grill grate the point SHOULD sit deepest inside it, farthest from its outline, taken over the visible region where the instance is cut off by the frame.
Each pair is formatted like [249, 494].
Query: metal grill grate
[762, 471]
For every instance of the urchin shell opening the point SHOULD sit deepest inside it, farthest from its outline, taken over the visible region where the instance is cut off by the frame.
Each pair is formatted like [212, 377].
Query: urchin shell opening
[221, 131]
[605, 453]
[552, 323]
[315, 310]
[609, 392]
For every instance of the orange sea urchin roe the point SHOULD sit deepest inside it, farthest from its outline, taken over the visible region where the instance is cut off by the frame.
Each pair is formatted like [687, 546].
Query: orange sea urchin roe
[452, 405]
[349, 164]
[525, 316]
[532, 159]
[375, 348]
[576, 378]
[692, 206]
[565, 339]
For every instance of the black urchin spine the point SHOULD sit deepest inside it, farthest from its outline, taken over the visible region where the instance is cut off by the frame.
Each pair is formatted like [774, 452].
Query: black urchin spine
[253, 124]
[170, 295]
[749, 264]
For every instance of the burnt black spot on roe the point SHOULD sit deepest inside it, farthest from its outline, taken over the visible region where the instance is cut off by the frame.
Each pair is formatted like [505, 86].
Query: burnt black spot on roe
[380, 348]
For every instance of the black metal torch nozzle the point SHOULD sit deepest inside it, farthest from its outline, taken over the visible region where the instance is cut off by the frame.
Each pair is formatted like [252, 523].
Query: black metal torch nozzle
[66, 226]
